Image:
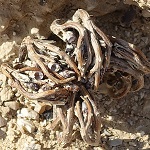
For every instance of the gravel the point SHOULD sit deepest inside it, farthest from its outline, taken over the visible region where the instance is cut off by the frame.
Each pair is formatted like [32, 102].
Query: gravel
[120, 118]
[115, 142]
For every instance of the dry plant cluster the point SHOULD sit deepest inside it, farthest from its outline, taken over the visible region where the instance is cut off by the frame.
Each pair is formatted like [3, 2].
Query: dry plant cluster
[63, 74]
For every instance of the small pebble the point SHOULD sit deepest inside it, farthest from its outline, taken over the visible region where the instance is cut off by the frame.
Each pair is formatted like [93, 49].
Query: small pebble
[43, 123]
[98, 148]
[5, 111]
[14, 33]
[142, 95]
[17, 94]
[127, 33]
[2, 134]
[132, 144]
[34, 146]
[110, 118]
[28, 113]
[54, 67]
[6, 94]
[145, 40]
[107, 132]
[115, 142]
[142, 133]
[134, 107]
[25, 125]
[136, 98]
[52, 137]
[146, 13]
[34, 31]
[40, 107]
[3, 122]
[13, 105]
[38, 75]
[146, 108]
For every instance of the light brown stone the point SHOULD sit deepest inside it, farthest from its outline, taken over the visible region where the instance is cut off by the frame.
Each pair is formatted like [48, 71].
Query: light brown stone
[40, 108]
[13, 105]
[6, 94]
[3, 122]
[28, 113]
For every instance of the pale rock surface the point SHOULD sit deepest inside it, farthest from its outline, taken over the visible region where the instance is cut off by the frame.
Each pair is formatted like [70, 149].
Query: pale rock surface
[2, 80]
[25, 125]
[6, 94]
[7, 50]
[28, 143]
[28, 113]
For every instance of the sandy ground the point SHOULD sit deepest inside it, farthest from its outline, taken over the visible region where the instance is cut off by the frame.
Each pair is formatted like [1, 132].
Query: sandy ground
[126, 122]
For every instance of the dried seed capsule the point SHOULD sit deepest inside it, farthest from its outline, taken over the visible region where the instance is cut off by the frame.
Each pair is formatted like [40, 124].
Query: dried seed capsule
[38, 75]
[54, 67]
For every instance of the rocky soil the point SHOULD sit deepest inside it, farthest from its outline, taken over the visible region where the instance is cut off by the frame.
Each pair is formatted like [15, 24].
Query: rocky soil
[24, 124]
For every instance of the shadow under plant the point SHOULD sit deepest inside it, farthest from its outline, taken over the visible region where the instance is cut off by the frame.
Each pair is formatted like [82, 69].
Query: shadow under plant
[126, 121]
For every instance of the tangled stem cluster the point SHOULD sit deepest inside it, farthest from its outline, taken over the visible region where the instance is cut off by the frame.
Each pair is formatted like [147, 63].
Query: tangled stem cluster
[87, 59]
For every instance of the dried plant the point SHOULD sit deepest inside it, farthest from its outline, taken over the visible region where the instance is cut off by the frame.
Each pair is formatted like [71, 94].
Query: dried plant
[87, 59]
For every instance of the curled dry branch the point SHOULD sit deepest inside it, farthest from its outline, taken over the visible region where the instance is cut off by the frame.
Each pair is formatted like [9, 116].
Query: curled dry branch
[63, 76]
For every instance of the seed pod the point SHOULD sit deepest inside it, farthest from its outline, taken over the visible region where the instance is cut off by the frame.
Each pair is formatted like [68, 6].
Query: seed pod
[54, 67]
[38, 75]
